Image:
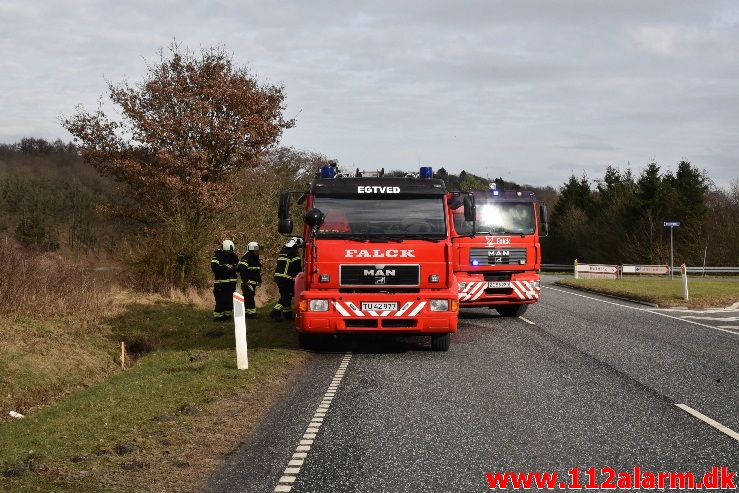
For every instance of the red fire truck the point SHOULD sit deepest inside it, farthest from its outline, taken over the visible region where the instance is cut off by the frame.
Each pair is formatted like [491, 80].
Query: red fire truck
[377, 258]
[497, 256]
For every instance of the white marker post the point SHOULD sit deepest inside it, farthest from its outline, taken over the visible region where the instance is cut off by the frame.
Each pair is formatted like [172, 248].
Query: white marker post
[242, 359]
[684, 275]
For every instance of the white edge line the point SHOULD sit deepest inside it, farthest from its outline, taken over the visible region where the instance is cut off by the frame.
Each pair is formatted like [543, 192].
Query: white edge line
[650, 310]
[706, 419]
[301, 451]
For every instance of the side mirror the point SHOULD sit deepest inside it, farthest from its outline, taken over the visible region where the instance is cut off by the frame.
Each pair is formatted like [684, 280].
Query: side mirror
[469, 208]
[543, 219]
[285, 226]
[283, 212]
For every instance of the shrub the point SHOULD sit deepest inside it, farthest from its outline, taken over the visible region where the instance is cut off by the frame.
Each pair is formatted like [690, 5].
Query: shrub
[42, 284]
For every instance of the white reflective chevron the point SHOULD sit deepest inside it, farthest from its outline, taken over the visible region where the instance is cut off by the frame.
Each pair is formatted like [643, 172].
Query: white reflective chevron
[349, 309]
[417, 309]
[355, 309]
[341, 309]
[404, 309]
[375, 314]
[524, 290]
[473, 291]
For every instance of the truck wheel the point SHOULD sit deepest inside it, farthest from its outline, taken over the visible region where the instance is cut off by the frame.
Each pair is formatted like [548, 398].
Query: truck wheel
[512, 310]
[308, 341]
[440, 342]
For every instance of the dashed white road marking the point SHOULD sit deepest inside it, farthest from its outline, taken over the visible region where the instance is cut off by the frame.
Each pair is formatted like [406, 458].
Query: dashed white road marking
[732, 328]
[722, 428]
[290, 474]
[527, 321]
[706, 419]
[649, 310]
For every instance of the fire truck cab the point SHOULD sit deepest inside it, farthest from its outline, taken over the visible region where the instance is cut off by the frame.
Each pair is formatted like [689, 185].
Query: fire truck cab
[377, 258]
[498, 255]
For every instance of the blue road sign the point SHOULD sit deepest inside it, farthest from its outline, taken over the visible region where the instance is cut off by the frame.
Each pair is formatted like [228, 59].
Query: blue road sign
[674, 223]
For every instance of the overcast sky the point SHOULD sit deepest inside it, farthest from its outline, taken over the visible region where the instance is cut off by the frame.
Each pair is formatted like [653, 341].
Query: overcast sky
[530, 91]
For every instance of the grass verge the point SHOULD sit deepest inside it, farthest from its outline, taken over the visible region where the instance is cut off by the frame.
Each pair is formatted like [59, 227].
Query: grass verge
[164, 423]
[702, 293]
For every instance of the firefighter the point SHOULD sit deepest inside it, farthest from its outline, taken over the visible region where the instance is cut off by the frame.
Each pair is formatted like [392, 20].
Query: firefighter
[223, 264]
[250, 269]
[289, 265]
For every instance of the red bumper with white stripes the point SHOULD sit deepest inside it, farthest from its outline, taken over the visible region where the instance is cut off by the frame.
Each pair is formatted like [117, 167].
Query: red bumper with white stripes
[476, 291]
[397, 313]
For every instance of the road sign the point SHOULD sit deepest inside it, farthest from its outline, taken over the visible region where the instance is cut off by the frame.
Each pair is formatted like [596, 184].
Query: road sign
[645, 269]
[672, 223]
[598, 268]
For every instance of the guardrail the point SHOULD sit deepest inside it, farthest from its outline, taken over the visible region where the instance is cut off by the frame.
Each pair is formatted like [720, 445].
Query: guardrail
[675, 269]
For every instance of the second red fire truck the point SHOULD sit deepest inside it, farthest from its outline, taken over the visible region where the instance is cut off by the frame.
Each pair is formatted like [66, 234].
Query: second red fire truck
[498, 255]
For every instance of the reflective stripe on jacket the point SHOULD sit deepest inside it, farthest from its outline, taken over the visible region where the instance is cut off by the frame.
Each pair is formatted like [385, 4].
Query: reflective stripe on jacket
[250, 269]
[289, 264]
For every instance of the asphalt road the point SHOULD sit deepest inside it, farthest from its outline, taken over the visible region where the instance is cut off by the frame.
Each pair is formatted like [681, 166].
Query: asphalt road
[580, 381]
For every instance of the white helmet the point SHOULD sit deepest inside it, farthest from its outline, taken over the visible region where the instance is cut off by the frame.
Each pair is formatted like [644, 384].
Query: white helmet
[228, 246]
[294, 241]
[253, 246]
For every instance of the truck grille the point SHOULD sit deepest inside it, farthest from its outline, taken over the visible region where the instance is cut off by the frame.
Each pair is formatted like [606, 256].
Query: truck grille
[498, 256]
[380, 275]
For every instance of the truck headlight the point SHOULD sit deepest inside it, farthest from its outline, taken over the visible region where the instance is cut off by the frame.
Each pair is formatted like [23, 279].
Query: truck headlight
[536, 285]
[318, 305]
[439, 305]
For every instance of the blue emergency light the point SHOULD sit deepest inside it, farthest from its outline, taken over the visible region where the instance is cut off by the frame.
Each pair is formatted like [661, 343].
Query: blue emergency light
[426, 172]
[328, 172]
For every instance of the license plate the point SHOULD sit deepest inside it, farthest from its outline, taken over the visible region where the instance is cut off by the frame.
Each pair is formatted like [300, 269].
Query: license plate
[380, 306]
[499, 284]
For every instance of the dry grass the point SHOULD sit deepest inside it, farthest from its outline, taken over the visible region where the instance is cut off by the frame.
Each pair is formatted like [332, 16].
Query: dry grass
[37, 284]
[49, 306]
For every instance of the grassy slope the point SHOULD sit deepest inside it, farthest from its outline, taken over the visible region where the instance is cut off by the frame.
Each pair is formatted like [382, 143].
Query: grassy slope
[164, 423]
[702, 293]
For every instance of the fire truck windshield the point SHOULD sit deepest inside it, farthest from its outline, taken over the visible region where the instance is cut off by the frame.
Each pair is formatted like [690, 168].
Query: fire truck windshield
[396, 217]
[499, 218]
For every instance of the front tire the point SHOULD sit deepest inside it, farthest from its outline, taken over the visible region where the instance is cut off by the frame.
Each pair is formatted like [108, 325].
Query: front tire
[310, 342]
[512, 310]
[441, 342]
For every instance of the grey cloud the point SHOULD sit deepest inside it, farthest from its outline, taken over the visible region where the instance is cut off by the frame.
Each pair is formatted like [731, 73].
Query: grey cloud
[530, 89]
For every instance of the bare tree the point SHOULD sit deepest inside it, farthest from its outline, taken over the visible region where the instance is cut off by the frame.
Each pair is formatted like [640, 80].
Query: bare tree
[184, 132]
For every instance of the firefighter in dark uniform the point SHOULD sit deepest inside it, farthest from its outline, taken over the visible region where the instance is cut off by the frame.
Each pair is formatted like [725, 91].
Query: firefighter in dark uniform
[223, 264]
[250, 269]
[289, 265]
